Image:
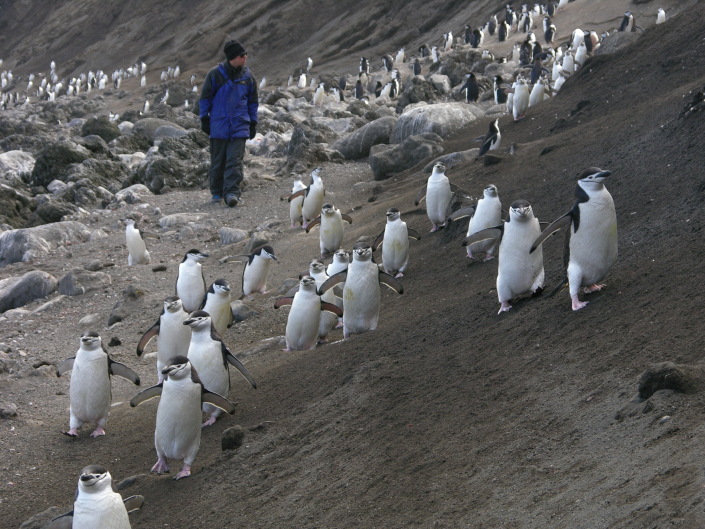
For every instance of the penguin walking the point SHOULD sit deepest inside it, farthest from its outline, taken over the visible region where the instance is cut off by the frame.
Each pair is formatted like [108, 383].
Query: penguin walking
[500, 92]
[254, 275]
[210, 356]
[395, 243]
[295, 204]
[302, 325]
[539, 91]
[520, 101]
[438, 194]
[661, 16]
[178, 430]
[332, 228]
[190, 282]
[492, 139]
[341, 260]
[96, 504]
[485, 214]
[136, 248]
[518, 271]
[591, 249]
[89, 390]
[470, 88]
[317, 270]
[172, 337]
[361, 293]
[313, 197]
[217, 304]
[628, 22]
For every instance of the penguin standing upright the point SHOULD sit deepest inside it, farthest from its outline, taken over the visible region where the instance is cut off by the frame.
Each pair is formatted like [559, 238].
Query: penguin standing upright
[471, 89]
[341, 260]
[492, 139]
[304, 319]
[361, 293]
[395, 243]
[217, 304]
[210, 356]
[89, 390]
[500, 92]
[438, 195]
[296, 203]
[591, 248]
[96, 504]
[254, 275]
[518, 271]
[172, 337]
[178, 430]
[190, 281]
[332, 228]
[317, 270]
[313, 197]
[520, 101]
[136, 249]
[485, 214]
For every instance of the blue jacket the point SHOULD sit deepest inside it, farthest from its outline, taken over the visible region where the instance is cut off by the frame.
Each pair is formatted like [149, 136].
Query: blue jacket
[229, 98]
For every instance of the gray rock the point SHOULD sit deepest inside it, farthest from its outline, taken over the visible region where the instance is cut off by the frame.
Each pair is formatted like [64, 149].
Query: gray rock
[259, 238]
[19, 291]
[16, 207]
[131, 303]
[441, 118]
[169, 131]
[89, 320]
[15, 163]
[101, 126]
[147, 127]
[180, 219]
[231, 235]
[232, 438]
[27, 244]
[241, 311]
[441, 83]
[56, 186]
[358, 143]
[38, 521]
[49, 304]
[133, 194]
[8, 410]
[79, 281]
[178, 162]
[126, 127]
[453, 158]
[616, 41]
[386, 160]
[54, 160]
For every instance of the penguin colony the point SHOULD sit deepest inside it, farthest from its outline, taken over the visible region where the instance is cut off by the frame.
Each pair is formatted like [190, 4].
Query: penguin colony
[192, 357]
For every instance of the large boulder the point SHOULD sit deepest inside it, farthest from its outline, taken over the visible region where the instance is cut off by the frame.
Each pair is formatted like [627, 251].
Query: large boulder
[148, 127]
[79, 281]
[27, 244]
[417, 90]
[441, 118]
[101, 126]
[387, 160]
[16, 207]
[15, 163]
[358, 144]
[54, 160]
[19, 291]
[179, 162]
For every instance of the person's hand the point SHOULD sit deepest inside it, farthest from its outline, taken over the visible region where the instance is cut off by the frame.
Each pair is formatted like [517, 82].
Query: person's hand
[206, 125]
[253, 129]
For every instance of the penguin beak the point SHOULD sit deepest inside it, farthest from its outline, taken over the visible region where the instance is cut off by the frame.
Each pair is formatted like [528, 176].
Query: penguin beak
[603, 174]
[188, 322]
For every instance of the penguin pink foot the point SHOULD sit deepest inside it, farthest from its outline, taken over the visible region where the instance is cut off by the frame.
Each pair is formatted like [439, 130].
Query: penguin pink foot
[593, 288]
[209, 421]
[73, 432]
[184, 472]
[160, 467]
[577, 304]
[488, 258]
[504, 307]
[97, 432]
[399, 274]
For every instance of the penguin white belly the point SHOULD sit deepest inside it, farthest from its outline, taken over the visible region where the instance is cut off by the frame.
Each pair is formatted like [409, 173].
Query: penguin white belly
[178, 431]
[303, 322]
[519, 271]
[137, 250]
[313, 203]
[395, 248]
[105, 510]
[521, 102]
[218, 311]
[190, 287]
[331, 234]
[295, 210]
[438, 197]
[89, 390]
[361, 298]
[593, 248]
[173, 338]
[487, 215]
[328, 319]
[206, 356]
[254, 279]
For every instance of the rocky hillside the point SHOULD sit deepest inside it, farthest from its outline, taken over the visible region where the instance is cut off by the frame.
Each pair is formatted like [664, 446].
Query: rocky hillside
[448, 415]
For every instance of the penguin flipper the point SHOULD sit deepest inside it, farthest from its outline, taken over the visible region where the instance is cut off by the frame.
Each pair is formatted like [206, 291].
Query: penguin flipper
[378, 241]
[233, 361]
[486, 145]
[64, 521]
[330, 307]
[311, 224]
[333, 280]
[413, 234]
[467, 211]
[121, 370]
[299, 193]
[280, 302]
[556, 225]
[64, 366]
[146, 337]
[391, 282]
[285, 196]
[133, 503]
[218, 401]
[420, 196]
[483, 235]
[147, 394]
[346, 218]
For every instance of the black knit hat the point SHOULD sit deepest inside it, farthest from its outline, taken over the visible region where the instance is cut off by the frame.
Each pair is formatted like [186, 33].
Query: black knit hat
[233, 49]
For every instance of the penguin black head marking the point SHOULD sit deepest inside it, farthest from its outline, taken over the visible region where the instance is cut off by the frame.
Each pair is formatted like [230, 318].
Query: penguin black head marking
[520, 209]
[491, 190]
[392, 213]
[265, 251]
[175, 365]
[594, 174]
[93, 474]
[220, 285]
[194, 254]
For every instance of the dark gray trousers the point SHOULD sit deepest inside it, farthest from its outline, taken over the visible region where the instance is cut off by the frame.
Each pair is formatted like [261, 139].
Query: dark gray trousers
[226, 174]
